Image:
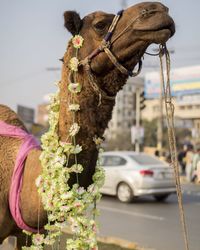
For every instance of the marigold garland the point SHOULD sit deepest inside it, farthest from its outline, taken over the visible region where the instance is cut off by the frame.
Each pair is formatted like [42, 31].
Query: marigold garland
[67, 206]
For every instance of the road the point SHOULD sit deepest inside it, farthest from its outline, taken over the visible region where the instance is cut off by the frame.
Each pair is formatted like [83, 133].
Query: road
[151, 224]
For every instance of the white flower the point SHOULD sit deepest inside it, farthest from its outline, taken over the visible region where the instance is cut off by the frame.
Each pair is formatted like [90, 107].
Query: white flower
[74, 107]
[74, 87]
[67, 195]
[65, 203]
[97, 140]
[49, 240]
[65, 208]
[77, 168]
[81, 190]
[73, 64]
[74, 129]
[38, 239]
[60, 159]
[38, 181]
[77, 149]
[77, 41]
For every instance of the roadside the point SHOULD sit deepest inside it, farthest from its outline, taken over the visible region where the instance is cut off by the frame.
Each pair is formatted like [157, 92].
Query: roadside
[106, 243]
[113, 243]
[189, 187]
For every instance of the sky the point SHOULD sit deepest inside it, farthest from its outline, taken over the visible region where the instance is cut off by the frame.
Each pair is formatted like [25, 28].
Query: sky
[33, 38]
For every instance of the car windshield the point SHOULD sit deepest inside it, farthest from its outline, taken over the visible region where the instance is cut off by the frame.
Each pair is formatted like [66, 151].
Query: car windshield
[145, 159]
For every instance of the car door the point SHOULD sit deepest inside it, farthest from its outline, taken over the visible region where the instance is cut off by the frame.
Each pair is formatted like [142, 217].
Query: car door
[113, 165]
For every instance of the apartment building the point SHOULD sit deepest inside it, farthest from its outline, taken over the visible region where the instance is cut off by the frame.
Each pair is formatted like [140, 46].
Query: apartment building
[123, 116]
[185, 87]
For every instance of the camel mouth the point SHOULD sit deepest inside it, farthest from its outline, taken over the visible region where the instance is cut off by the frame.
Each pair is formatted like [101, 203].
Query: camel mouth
[168, 27]
[159, 34]
[167, 24]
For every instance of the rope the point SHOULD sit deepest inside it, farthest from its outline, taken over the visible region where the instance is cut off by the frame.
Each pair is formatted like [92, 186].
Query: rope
[169, 106]
[143, 13]
[106, 43]
[113, 59]
[38, 222]
[96, 88]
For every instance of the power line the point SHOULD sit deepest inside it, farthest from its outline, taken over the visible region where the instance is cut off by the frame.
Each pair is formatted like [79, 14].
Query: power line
[22, 78]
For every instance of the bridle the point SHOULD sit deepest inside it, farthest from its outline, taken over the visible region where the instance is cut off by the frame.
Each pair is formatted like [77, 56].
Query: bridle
[105, 46]
[106, 43]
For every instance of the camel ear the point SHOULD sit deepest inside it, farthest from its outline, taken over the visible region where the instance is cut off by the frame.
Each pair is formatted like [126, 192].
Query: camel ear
[73, 22]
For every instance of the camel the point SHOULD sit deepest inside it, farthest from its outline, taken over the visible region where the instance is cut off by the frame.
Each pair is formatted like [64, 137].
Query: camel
[139, 26]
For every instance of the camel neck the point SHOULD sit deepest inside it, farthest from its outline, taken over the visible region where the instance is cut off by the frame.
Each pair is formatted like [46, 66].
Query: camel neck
[92, 118]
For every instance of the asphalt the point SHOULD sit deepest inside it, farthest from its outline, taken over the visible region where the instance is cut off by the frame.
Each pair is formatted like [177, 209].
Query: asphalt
[187, 188]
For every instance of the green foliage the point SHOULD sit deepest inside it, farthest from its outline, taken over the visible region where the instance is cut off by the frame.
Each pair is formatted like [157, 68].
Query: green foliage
[121, 141]
[150, 134]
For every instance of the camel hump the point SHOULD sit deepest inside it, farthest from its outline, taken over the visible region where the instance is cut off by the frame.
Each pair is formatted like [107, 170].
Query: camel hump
[9, 116]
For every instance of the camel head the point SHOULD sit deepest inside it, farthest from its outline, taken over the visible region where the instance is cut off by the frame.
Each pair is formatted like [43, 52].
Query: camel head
[138, 27]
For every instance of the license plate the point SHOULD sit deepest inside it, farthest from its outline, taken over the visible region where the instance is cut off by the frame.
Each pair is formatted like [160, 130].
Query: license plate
[164, 175]
[160, 176]
[168, 175]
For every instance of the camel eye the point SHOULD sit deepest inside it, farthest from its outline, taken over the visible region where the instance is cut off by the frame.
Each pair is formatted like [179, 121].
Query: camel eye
[100, 26]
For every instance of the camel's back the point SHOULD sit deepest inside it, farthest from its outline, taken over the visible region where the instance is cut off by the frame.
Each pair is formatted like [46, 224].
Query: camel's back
[9, 116]
[8, 146]
[8, 151]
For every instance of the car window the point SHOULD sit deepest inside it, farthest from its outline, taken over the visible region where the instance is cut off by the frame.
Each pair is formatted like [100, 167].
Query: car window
[113, 161]
[145, 159]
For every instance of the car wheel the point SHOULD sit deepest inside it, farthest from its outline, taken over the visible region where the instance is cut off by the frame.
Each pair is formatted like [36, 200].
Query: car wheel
[161, 197]
[124, 192]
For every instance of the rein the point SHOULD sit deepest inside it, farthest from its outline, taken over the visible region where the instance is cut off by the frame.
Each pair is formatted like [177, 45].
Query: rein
[106, 43]
[169, 107]
[105, 46]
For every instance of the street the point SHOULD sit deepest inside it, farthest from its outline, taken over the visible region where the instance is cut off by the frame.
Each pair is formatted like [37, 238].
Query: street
[151, 224]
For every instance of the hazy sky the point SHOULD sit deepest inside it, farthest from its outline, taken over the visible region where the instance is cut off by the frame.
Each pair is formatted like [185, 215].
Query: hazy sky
[32, 38]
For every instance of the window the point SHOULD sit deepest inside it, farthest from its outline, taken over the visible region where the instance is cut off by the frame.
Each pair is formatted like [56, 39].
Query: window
[113, 161]
[143, 159]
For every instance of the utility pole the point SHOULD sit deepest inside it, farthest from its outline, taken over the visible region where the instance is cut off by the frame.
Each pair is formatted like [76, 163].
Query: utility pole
[123, 4]
[160, 120]
[56, 70]
[137, 120]
[138, 130]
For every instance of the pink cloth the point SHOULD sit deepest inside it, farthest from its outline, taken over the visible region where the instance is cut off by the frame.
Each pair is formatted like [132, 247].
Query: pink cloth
[29, 142]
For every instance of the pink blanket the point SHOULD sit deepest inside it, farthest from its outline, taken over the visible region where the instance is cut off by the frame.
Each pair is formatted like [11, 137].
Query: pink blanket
[29, 142]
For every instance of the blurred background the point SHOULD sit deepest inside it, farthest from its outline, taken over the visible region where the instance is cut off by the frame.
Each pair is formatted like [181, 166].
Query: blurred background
[33, 38]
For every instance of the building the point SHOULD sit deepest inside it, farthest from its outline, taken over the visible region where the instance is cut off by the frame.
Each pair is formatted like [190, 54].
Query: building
[123, 116]
[42, 114]
[27, 115]
[185, 88]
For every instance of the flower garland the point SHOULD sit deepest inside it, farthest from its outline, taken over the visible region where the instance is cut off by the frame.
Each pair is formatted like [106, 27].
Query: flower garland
[67, 206]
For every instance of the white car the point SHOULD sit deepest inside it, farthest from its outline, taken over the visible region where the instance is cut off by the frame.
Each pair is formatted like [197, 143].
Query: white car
[130, 174]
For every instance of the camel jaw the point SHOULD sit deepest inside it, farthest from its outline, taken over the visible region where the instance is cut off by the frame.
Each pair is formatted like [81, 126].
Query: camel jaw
[160, 36]
[170, 27]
